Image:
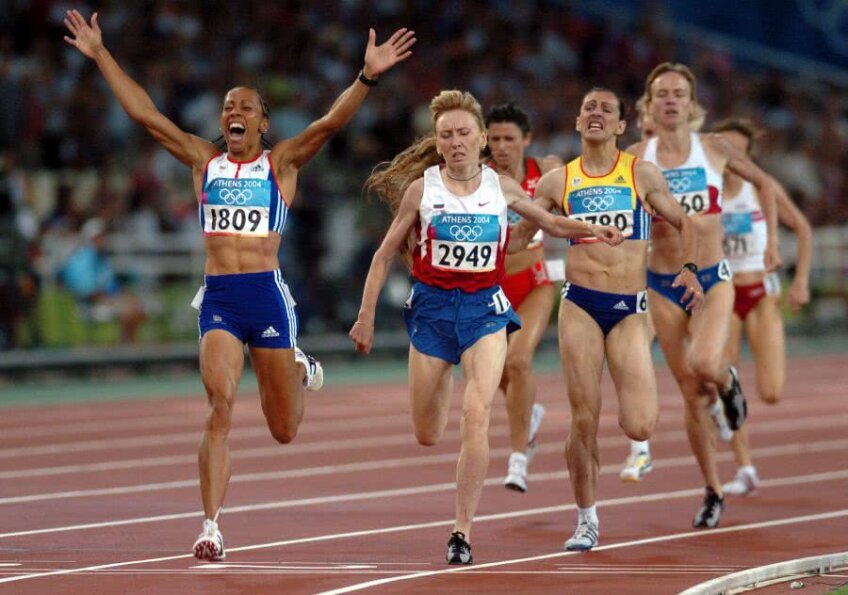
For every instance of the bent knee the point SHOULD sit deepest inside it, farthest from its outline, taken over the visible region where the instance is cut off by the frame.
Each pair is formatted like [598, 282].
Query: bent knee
[638, 429]
[283, 433]
[427, 438]
[517, 365]
[770, 397]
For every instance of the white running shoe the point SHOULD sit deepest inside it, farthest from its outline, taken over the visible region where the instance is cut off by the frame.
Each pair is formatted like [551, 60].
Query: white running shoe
[516, 477]
[210, 543]
[584, 538]
[314, 372]
[636, 467]
[536, 417]
[725, 434]
[746, 482]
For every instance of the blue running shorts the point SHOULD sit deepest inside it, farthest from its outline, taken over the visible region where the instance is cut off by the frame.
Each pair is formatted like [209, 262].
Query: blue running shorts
[256, 308]
[661, 282]
[444, 323]
[606, 309]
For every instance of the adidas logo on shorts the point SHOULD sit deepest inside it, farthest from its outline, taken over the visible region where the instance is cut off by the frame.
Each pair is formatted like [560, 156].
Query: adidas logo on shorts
[270, 332]
[621, 306]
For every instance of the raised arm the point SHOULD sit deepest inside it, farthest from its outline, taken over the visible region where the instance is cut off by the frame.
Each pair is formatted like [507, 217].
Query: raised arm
[537, 213]
[739, 163]
[792, 217]
[653, 189]
[362, 331]
[378, 59]
[88, 39]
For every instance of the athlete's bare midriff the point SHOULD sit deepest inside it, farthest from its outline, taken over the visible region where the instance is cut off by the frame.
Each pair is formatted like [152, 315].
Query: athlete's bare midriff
[666, 255]
[619, 269]
[230, 255]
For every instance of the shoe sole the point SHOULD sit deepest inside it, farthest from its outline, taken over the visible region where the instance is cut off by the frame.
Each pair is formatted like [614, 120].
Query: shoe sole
[579, 548]
[515, 487]
[208, 551]
[627, 478]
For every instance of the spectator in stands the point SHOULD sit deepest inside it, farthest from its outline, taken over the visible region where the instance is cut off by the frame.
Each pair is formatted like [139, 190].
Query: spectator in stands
[89, 276]
[244, 187]
[17, 280]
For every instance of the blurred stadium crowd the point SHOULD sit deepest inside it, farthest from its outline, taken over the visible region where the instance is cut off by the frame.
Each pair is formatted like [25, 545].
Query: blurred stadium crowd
[69, 154]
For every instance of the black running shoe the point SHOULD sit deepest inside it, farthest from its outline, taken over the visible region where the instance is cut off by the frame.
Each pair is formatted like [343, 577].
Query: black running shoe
[459, 551]
[735, 405]
[710, 512]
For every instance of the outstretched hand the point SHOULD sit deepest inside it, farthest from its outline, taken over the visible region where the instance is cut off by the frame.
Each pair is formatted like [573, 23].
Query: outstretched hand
[608, 233]
[379, 58]
[88, 39]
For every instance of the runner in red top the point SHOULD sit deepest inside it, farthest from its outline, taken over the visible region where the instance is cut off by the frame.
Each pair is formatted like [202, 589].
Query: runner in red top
[527, 285]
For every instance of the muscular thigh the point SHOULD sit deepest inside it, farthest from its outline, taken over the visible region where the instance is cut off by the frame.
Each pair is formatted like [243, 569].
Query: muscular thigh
[277, 375]
[671, 325]
[482, 364]
[710, 326]
[430, 385]
[581, 344]
[631, 367]
[764, 329]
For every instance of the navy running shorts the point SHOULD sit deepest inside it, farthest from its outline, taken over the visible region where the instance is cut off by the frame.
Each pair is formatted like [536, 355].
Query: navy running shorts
[444, 323]
[606, 309]
[256, 308]
[661, 282]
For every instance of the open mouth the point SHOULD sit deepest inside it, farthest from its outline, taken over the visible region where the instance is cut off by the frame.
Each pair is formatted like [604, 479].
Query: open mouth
[595, 126]
[236, 130]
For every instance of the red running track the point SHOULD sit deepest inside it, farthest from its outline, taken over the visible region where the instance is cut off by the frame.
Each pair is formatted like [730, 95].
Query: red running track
[103, 497]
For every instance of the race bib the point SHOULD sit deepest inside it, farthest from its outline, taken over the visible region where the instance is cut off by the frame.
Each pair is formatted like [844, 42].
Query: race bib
[603, 205]
[237, 207]
[738, 234]
[689, 188]
[465, 242]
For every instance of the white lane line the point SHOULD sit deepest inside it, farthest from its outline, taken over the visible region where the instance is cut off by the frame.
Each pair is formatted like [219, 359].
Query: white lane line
[254, 424]
[447, 523]
[395, 463]
[637, 542]
[776, 427]
[184, 437]
[399, 492]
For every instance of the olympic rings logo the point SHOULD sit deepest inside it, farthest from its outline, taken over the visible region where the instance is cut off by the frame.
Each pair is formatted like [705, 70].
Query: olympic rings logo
[679, 185]
[597, 203]
[466, 233]
[235, 196]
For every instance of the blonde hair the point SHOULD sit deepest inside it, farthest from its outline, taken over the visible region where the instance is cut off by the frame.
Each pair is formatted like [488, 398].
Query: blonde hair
[699, 114]
[390, 179]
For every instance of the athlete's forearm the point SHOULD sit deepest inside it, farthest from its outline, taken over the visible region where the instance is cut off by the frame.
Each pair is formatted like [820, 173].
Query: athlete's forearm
[132, 97]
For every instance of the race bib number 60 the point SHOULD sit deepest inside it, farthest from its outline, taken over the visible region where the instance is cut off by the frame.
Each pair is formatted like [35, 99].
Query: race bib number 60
[689, 188]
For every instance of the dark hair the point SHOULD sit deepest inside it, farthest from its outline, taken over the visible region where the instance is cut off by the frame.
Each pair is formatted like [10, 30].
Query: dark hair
[743, 126]
[510, 112]
[622, 107]
[265, 141]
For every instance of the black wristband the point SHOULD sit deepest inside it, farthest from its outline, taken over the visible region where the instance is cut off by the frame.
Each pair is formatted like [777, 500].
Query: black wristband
[691, 266]
[365, 80]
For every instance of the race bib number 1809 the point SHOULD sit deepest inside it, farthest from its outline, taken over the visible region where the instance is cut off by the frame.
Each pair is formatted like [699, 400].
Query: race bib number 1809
[237, 207]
